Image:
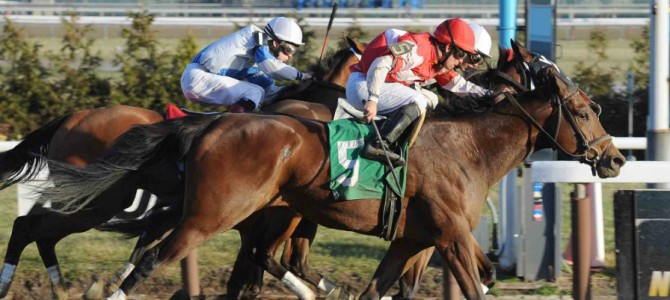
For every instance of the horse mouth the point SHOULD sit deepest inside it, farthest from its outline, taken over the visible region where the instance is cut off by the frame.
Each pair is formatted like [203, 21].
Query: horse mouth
[610, 166]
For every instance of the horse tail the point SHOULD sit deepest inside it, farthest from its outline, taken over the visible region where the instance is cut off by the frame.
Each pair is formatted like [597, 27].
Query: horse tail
[141, 147]
[24, 162]
[129, 228]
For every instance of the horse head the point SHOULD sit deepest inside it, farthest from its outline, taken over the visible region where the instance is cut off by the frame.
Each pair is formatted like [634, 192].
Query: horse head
[567, 120]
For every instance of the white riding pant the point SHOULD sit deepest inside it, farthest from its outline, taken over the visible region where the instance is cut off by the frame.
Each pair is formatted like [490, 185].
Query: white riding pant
[199, 85]
[392, 96]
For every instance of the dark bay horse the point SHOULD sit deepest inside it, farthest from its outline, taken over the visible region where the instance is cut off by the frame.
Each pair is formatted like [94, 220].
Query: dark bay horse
[237, 164]
[81, 137]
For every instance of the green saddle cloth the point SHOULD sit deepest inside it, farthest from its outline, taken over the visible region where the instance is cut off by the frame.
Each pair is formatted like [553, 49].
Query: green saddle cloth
[355, 177]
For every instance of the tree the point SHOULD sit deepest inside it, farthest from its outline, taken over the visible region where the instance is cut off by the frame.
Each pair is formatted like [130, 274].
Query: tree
[591, 76]
[75, 83]
[23, 88]
[640, 65]
[145, 71]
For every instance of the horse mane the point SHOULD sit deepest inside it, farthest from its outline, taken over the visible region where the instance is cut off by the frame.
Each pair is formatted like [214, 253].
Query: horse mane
[463, 106]
[321, 69]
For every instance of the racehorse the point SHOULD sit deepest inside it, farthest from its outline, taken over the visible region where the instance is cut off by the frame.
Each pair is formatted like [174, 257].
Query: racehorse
[81, 137]
[237, 164]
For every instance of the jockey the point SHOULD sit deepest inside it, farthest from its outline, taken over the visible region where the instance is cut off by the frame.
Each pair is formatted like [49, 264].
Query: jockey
[455, 82]
[394, 60]
[241, 68]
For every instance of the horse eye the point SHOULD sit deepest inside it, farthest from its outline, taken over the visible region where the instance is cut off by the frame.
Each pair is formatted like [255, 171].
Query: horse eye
[584, 116]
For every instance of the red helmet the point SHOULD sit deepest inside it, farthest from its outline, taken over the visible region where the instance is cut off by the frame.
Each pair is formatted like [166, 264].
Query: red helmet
[456, 32]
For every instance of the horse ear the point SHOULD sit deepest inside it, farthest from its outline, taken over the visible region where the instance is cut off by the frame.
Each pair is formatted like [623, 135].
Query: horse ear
[503, 56]
[356, 45]
[564, 86]
[522, 51]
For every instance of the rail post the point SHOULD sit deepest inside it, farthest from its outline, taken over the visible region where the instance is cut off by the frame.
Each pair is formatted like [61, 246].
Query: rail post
[580, 207]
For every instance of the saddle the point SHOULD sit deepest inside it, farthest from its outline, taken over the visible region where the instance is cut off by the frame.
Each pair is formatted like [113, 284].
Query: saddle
[174, 112]
[391, 207]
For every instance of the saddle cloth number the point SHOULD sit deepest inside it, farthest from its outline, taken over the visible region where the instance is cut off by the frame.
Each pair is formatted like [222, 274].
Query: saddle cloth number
[347, 163]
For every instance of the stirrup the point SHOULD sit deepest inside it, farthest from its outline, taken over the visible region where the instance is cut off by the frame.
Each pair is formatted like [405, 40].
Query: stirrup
[373, 152]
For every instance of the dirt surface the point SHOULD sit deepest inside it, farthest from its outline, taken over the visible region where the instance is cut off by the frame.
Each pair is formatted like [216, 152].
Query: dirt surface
[30, 284]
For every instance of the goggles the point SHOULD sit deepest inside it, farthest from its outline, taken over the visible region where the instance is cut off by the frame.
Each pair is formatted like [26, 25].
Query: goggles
[287, 48]
[475, 59]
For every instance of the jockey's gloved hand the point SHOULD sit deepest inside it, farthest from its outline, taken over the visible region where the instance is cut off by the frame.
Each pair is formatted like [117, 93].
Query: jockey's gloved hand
[307, 75]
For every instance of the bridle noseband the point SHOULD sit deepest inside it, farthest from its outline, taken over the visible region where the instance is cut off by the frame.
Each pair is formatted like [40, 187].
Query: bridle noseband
[586, 152]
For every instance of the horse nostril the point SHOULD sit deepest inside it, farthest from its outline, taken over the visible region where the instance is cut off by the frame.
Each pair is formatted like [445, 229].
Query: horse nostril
[619, 161]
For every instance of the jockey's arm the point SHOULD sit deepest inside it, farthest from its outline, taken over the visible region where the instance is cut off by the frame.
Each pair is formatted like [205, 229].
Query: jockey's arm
[273, 67]
[377, 73]
[461, 87]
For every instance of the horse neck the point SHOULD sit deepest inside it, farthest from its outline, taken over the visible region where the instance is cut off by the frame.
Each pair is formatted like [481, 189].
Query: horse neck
[340, 73]
[491, 143]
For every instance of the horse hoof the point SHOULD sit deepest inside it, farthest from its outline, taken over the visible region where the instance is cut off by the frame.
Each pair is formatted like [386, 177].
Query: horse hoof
[4, 289]
[59, 292]
[95, 291]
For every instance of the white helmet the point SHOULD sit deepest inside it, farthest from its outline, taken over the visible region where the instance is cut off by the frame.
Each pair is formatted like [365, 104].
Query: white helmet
[284, 29]
[482, 40]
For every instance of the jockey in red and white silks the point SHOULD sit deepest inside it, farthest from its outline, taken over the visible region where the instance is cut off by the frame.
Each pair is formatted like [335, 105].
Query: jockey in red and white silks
[394, 60]
[243, 66]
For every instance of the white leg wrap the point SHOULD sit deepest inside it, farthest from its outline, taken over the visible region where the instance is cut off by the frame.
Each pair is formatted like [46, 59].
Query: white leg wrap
[325, 285]
[55, 275]
[296, 286]
[6, 278]
[118, 295]
[129, 268]
[484, 288]
[386, 298]
[8, 271]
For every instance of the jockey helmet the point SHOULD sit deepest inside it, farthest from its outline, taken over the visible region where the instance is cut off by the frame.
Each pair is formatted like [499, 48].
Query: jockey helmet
[457, 33]
[482, 40]
[283, 29]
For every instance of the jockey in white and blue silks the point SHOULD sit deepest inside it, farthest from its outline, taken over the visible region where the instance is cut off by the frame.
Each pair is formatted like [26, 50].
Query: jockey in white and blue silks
[241, 68]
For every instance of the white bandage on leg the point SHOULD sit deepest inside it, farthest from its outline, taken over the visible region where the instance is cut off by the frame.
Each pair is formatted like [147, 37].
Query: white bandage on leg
[126, 272]
[485, 288]
[54, 274]
[325, 285]
[296, 286]
[118, 295]
[8, 271]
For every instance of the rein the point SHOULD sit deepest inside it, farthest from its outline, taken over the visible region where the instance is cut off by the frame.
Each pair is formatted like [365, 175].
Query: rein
[585, 147]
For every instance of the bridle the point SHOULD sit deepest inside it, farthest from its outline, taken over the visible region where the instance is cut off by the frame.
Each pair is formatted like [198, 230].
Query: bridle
[586, 152]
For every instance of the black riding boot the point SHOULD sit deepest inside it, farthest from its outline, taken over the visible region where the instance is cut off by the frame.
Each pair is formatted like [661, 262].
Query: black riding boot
[391, 131]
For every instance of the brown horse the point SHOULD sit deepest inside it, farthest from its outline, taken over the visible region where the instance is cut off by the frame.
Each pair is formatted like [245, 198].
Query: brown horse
[237, 164]
[81, 137]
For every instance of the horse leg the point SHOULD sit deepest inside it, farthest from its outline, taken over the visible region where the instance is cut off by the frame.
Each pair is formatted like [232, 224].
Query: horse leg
[246, 280]
[409, 282]
[282, 227]
[20, 238]
[46, 230]
[487, 270]
[399, 257]
[158, 226]
[295, 257]
[460, 256]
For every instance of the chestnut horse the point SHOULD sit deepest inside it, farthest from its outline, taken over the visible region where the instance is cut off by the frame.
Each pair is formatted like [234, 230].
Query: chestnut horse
[236, 164]
[81, 137]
